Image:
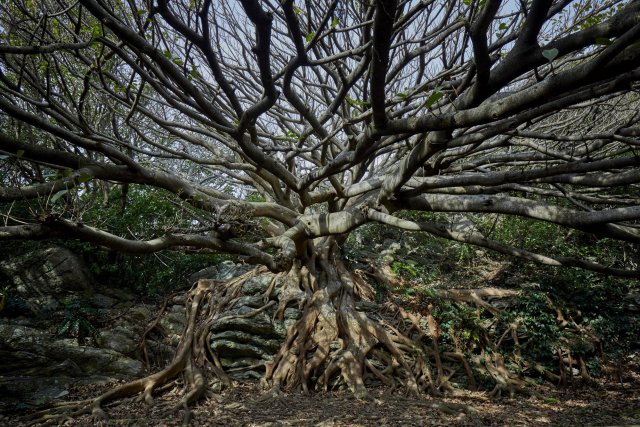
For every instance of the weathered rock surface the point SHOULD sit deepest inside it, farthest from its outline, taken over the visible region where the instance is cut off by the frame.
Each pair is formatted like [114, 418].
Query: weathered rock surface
[87, 360]
[38, 365]
[223, 271]
[245, 341]
[56, 330]
[48, 272]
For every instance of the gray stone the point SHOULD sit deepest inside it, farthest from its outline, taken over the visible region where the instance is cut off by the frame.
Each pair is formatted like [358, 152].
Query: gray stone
[102, 301]
[259, 325]
[388, 254]
[257, 285]
[232, 349]
[228, 270]
[268, 345]
[240, 362]
[175, 320]
[160, 352]
[253, 301]
[96, 360]
[38, 366]
[117, 341]
[291, 313]
[224, 271]
[53, 271]
[13, 361]
[67, 367]
[90, 360]
[205, 273]
[139, 314]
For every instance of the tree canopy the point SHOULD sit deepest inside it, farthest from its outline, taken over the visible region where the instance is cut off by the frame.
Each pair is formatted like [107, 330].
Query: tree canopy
[275, 123]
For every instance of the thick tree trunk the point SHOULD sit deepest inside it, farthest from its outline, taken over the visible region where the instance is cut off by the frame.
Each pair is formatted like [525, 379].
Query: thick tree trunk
[333, 341]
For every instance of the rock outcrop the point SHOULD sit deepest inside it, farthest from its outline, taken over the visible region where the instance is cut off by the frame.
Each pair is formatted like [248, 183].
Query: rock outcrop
[244, 342]
[46, 273]
[57, 330]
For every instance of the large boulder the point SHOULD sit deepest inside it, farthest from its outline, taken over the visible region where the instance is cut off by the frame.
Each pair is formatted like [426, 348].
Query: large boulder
[46, 273]
[224, 271]
[46, 353]
[56, 331]
[38, 366]
[244, 341]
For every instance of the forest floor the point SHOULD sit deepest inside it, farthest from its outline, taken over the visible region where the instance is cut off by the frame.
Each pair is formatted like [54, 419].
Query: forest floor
[602, 403]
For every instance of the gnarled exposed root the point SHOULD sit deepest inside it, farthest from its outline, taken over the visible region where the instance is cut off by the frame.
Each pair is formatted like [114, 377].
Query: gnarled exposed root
[506, 382]
[333, 339]
[193, 359]
[340, 340]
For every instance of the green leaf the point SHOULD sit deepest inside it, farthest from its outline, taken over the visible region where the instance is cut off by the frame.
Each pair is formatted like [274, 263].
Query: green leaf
[355, 102]
[433, 98]
[57, 196]
[84, 178]
[297, 10]
[31, 4]
[19, 153]
[335, 22]
[502, 26]
[292, 135]
[603, 41]
[467, 2]
[141, 12]
[63, 328]
[309, 37]
[96, 31]
[550, 54]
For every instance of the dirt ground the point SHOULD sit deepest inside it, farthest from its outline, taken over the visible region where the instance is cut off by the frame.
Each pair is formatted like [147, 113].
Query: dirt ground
[604, 403]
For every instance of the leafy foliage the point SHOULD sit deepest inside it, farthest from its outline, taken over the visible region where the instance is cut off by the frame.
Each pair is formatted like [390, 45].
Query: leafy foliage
[148, 213]
[77, 321]
[558, 311]
[533, 317]
[598, 303]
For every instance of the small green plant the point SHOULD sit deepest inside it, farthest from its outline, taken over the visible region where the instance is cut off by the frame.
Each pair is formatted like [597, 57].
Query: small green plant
[77, 322]
[405, 268]
[536, 320]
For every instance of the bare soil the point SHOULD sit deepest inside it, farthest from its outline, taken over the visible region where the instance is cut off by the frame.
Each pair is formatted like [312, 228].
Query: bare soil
[602, 403]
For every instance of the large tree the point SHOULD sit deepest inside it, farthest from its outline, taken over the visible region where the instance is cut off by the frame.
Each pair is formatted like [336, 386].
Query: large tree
[286, 125]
